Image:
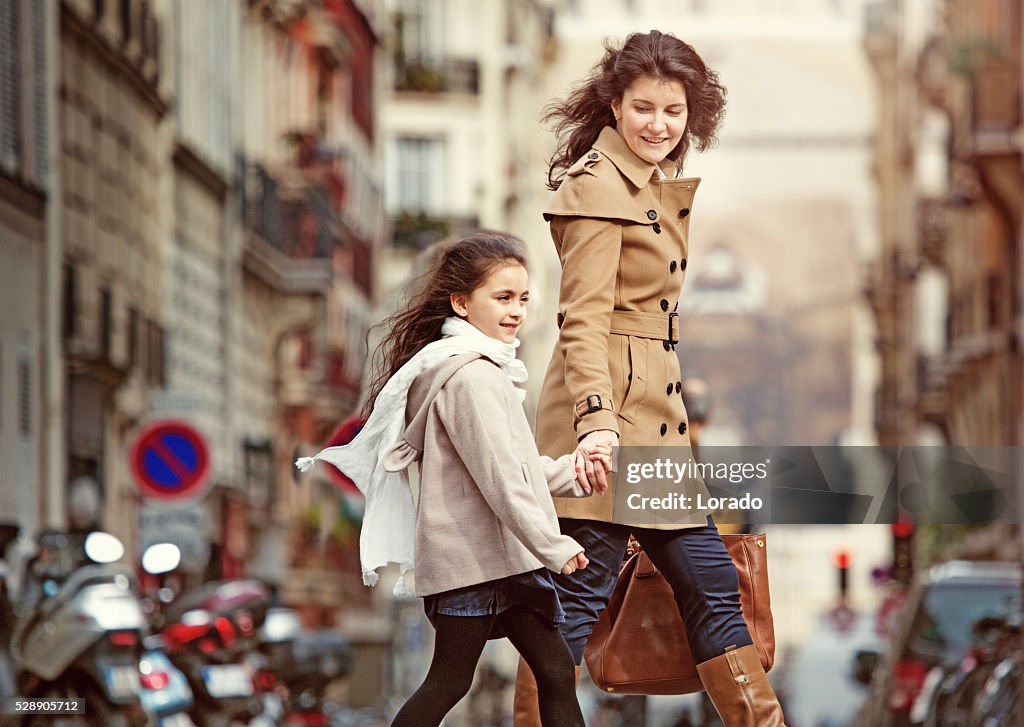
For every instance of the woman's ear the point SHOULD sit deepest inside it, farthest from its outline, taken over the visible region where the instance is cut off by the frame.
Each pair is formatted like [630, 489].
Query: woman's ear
[617, 109]
[458, 303]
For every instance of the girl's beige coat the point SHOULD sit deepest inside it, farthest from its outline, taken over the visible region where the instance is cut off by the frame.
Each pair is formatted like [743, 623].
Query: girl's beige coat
[484, 509]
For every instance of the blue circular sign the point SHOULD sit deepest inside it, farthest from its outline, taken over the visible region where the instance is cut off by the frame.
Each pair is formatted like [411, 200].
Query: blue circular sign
[170, 460]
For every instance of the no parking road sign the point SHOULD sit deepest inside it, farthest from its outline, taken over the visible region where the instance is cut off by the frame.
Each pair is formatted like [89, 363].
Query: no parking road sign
[170, 460]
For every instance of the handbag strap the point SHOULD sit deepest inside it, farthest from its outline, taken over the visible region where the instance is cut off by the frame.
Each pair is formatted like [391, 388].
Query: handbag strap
[646, 567]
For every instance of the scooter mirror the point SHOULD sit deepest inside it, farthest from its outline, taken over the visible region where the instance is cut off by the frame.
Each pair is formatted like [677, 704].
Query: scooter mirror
[103, 547]
[161, 558]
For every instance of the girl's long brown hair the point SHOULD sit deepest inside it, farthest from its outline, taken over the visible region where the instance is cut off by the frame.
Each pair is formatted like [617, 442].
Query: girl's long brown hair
[577, 121]
[461, 267]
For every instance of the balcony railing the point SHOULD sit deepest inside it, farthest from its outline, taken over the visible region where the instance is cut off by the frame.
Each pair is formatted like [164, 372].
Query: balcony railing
[418, 230]
[295, 215]
[997, 102]
[449, 75]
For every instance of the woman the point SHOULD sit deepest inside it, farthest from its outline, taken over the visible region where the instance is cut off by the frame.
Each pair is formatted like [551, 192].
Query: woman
[614, 378]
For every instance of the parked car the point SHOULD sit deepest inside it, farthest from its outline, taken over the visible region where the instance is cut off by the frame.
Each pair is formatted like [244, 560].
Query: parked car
[934, 629]
[817, 687]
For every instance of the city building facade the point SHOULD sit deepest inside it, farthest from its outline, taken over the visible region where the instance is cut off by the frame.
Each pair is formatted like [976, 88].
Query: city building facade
[25, 182]
[946, 287]
[111, 157]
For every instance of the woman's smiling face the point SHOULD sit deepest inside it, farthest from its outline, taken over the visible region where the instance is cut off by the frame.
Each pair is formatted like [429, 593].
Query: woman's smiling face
[651, 117]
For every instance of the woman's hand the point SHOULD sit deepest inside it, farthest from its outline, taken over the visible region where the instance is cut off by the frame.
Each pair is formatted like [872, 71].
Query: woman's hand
[592, 459]
[575, 563]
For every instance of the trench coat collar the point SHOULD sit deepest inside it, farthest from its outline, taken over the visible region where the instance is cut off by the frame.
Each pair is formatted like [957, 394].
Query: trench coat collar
[635, 169]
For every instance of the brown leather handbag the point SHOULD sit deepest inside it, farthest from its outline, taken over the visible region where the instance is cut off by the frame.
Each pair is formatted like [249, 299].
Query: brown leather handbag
[639, 644]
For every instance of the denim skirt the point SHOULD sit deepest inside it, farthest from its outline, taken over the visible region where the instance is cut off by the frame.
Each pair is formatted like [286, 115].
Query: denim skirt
[534, 590]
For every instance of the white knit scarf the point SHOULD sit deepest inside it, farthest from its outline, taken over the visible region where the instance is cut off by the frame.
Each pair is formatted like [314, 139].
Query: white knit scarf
[389, 521]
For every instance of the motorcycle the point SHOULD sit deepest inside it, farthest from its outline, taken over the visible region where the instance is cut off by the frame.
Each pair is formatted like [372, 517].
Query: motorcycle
[165, 693]
[78, 631]
[317, 658]
[998, 702]
[963, 694]
[207, 634]
[9, 534]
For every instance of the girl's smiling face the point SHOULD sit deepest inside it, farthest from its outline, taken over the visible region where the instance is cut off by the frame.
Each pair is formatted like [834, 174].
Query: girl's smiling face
[651, 117]
[498, 306]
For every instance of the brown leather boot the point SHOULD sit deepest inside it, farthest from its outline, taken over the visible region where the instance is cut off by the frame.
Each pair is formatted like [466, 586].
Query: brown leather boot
[740, 691]
[525, 710]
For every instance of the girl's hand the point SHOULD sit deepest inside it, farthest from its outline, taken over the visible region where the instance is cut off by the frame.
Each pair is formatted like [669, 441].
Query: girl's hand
[574, 563]
[589, 474]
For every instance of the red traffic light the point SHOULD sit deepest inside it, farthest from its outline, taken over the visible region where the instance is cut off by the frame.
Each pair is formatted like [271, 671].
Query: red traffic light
[842, 559]
[902, 530]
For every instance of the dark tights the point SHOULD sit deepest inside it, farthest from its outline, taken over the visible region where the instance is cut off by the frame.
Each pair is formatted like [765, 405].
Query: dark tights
[457, 648]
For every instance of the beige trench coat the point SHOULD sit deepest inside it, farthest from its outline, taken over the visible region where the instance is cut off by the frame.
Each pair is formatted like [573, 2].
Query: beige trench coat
[621, 236]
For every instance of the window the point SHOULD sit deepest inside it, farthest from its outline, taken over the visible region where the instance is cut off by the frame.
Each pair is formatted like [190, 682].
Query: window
[10, 86]
[127, 32]
[24, 397]
[155, 354]
[69, 302]
[143, 29]
[418, 171]
[133, 337]
[38, 167]
[23, 91]
[996, 300]
[415, 30]
[106, 322]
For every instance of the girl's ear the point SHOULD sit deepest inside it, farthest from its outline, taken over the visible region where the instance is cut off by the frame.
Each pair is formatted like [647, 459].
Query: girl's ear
[617, 109]
[458, 302]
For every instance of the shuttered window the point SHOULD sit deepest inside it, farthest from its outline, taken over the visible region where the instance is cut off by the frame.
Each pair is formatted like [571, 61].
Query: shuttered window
[39, 173]
[106, 322]
[24, 397]
[133, 337]
[23, 102]
[10, 86]
[69, 302]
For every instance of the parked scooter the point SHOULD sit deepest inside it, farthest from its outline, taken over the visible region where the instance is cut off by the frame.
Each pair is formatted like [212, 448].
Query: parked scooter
[314, 661]
[962, 695]
[166, 694]
[998, 702]
[79, 629]
[9, 533]
[207, 634]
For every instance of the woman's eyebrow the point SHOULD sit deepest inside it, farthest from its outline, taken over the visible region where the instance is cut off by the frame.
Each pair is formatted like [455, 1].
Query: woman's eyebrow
[640, 99]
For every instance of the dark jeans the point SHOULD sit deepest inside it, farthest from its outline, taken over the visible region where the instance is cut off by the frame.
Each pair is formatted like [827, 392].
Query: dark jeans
[694, 561]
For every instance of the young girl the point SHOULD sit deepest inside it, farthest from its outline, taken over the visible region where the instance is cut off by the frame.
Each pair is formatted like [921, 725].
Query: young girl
[486, 535]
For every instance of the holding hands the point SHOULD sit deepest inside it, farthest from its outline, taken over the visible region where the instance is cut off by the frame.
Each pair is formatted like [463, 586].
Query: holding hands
[592, 460]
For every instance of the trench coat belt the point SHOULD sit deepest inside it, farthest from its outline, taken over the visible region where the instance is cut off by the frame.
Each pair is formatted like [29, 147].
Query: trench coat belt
[659, 326]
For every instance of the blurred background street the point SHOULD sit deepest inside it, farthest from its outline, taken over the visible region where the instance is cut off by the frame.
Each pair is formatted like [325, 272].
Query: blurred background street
[205, 207]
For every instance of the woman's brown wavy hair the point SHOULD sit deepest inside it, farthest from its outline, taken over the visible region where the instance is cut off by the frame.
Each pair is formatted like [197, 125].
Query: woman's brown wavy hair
[460, 267]
[577, 121]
